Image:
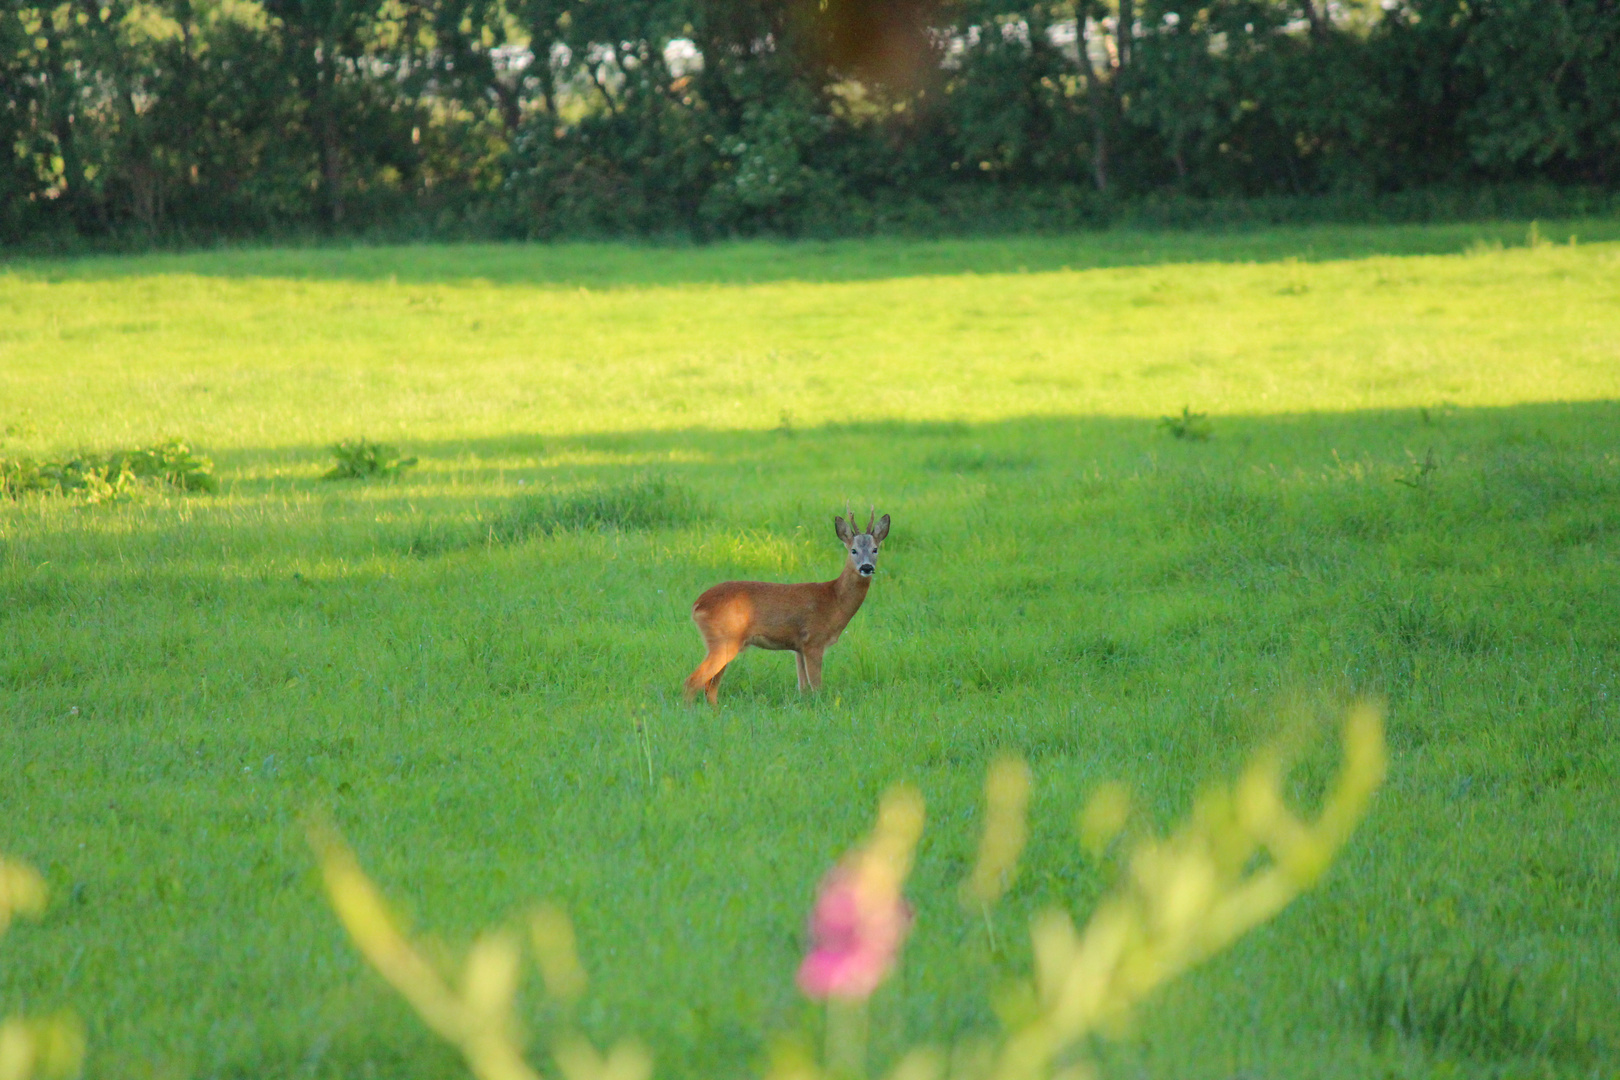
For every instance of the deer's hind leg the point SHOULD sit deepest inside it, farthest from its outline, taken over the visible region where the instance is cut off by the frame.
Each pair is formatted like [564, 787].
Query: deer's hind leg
[706, 678]
[804, 674]
[712, 688]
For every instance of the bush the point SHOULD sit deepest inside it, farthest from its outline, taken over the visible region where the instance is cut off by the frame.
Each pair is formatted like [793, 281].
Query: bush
[101, 476]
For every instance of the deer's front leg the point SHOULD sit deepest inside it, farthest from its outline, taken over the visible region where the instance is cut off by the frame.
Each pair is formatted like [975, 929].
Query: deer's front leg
[804, 676]
[811, 662]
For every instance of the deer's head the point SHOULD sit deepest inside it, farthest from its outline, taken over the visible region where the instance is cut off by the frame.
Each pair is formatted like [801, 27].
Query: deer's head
[863, 546]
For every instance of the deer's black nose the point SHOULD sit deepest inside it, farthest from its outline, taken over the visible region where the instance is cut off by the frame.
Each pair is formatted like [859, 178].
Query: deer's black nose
[866, 568]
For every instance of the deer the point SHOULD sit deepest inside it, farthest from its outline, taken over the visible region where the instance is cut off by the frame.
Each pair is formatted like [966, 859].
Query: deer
[806, 618]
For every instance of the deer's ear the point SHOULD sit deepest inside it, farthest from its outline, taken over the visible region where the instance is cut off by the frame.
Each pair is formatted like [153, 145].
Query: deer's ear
[882, 529]
[845, 534]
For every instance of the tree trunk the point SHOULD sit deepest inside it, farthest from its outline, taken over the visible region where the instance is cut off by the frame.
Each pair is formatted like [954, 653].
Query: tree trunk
[1317, 17]
[596, 78]
[507, 104]
[59, 108]
[188, 80]
[146, 197]
[541, 44]
[332, 169]
[1101, 96]
[1127, 26]
[330, 139]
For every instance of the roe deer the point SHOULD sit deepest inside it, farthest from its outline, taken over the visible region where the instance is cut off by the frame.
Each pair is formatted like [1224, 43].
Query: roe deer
[805, 618]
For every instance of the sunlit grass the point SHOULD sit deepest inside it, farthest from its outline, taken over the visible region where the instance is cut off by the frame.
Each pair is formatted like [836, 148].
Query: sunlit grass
[1410, 489]
[330, 351]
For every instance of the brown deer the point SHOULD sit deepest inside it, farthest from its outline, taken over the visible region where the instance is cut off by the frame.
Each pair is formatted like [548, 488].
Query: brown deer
[805, 618]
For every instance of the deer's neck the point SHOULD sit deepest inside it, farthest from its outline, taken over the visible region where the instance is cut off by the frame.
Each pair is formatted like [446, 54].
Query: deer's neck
[850, 590]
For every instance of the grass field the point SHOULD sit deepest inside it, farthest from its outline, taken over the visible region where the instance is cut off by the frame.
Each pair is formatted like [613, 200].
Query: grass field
[1410, 488]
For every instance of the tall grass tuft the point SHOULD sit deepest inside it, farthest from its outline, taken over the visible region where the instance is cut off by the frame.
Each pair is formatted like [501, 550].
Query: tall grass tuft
[1474, 1008]
[640, 504]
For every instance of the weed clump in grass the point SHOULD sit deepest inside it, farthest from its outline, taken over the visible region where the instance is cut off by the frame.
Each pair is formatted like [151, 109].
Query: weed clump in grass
[97, 477]
[1418, 476]
[361, 459]
[1192, 426]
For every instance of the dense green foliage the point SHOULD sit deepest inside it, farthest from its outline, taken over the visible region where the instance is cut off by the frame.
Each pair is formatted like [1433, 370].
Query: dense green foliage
[1410, 487]
[531, 118]
[101, 476]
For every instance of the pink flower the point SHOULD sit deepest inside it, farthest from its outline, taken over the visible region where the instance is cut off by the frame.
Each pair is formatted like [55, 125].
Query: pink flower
[856, 929]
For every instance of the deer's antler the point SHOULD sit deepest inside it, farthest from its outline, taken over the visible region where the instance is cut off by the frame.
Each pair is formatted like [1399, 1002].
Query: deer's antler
[871, 517]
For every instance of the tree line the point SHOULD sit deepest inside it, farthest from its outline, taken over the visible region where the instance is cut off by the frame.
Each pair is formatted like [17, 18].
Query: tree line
[717, 117]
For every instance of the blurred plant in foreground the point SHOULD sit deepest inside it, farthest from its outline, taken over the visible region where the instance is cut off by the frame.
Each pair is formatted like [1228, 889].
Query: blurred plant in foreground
[858, 924]
[1240, 859]
[53, 1046]
[1006, 828]
[476, 1016]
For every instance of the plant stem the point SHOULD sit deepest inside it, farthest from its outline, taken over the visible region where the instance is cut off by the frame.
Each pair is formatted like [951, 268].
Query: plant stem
[846, 1038]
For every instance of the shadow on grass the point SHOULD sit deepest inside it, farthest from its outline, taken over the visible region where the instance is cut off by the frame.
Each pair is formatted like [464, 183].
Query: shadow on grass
[1045, 508]
[623, 265]
[1476, 464]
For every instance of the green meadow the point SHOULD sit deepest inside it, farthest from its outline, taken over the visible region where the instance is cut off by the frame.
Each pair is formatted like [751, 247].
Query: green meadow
[1391, 468]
